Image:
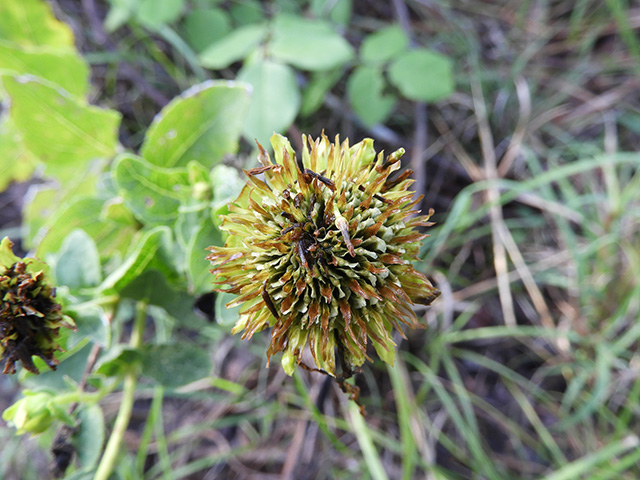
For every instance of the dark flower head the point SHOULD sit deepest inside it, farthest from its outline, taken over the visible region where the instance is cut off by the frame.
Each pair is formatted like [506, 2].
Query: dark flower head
[30, 319]
[321, 251]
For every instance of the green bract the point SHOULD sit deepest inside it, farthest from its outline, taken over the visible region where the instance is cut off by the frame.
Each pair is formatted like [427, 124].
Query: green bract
[321, 251]
[29, 317]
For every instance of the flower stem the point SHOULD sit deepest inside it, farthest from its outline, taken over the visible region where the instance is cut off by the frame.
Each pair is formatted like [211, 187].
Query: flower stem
[110, 455]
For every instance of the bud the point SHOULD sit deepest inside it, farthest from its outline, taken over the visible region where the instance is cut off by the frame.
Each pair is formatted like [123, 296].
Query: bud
[321, 252]
[30, 319]
[35, 412]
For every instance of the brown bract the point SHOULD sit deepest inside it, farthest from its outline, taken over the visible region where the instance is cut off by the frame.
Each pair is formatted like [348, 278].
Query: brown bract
[30, 319]
[320, 249]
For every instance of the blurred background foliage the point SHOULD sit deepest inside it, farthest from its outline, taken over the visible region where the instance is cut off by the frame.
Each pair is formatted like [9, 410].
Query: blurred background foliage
[123, 128]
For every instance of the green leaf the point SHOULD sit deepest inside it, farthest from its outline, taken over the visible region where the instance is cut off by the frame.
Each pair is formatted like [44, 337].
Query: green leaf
[64, 68]
[16, 162]
[317, 90]
[246, 12]
[226, 316]
[308, 44]
[203, 27]
[78, 262]
[153, 194]
[91, 322]
[7, 257]
[89, 436]
[62, 131]
[154, 14]
[200, 278]
[337, 12]
[202, 124]
[235, 46]
[275, 99]
[384, 45]
[423, 75]
[364, 89]
[227, 183]
[84, 213]
[119, 13]
[31, 22]
[153, 287]
[173, 365]
[117, 359]
[142, 257]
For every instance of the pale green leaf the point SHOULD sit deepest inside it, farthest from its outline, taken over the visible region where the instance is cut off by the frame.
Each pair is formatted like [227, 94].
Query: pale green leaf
[275, 99]
[64, 68]
[200, 278]
[155, 13]
[202, 124]
[308, 44]
[89, 435]
[384, 45]
[31, 22]
[246, 12]
[175, 364]
[226, 316]
[365, 91]
[204, 27]
[317, 89]
[78, 262]
[16, 162]
[235, 46]
[153, 194]
[423, 75]
[84, 213]
[62, 131]
[142, 256]
[7, 257]
[91, 322]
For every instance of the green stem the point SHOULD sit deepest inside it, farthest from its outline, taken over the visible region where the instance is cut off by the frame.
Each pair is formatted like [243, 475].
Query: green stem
[110, 455]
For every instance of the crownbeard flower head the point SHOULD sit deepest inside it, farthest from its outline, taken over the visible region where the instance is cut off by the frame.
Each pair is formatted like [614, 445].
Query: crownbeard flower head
[30, 319]
[321, 251]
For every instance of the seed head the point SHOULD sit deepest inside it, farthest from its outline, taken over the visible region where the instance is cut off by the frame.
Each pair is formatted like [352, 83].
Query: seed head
[30, 319]
[320, 250]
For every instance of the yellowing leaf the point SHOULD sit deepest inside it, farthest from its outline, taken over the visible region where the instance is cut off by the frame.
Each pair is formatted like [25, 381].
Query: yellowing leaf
[64, 68]
[64, 132]
[31, 22]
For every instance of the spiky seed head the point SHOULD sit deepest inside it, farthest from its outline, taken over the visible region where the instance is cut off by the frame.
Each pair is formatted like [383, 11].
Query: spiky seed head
[30, 319]
[320, 249]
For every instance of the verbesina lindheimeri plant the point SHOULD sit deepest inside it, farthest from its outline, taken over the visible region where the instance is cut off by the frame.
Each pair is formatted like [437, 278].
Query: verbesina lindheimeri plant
[321, 252]
[30, 319]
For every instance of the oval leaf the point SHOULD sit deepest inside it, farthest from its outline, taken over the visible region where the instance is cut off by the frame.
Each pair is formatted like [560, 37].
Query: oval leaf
[89, 435]
[142, 257]
[364, 90]
[61, 130]
[308, 44]
[154, 14]
[173, 365]
[235, 46]
[204, 27]
[423, 75]
[64, 68]
[202, 124]
[78, 262]
[383, 45]
[31, 22]
[275, 99]
[153, 194]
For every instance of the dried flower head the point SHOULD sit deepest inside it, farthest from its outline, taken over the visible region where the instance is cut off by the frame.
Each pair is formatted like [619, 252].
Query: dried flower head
[30, 319]
[321, 251]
